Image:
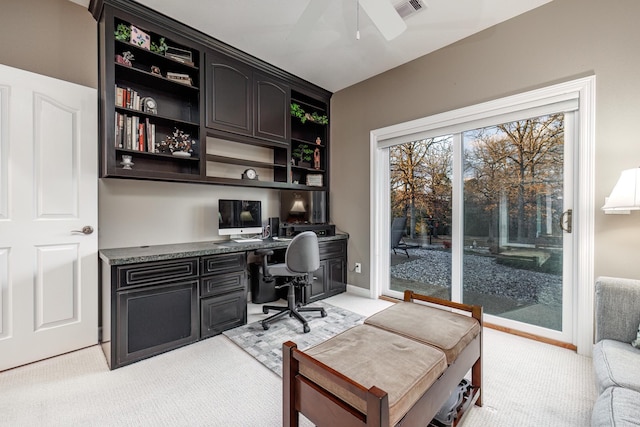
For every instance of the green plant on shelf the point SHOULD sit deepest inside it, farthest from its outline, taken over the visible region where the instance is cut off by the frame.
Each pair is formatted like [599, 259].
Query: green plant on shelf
[161, 47]
[298, 112]
[303, 153]
[123, 32]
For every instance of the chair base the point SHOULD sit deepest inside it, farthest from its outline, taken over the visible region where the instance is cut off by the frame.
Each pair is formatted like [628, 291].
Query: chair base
[291, 309]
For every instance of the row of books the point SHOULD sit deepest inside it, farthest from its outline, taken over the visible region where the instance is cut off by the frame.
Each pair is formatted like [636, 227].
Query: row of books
[128, 98]
[133, 133]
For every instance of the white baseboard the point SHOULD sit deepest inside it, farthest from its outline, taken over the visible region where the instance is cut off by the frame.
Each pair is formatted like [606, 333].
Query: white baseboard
[358, 291]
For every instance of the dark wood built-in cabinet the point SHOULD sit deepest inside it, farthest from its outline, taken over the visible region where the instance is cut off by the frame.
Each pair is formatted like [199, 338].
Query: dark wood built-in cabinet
[152, 306]
[234, 107]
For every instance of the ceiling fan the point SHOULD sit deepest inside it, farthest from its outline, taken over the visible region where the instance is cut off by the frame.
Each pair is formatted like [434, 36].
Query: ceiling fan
[387, 15]
[384, 16]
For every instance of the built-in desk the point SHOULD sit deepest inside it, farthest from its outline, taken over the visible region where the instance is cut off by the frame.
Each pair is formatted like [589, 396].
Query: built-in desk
[157, 298]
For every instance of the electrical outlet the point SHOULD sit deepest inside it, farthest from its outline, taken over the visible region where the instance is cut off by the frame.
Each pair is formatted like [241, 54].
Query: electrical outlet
[358, 267]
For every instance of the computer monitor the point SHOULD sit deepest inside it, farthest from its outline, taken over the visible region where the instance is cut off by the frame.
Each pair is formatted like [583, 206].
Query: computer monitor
[238, 217]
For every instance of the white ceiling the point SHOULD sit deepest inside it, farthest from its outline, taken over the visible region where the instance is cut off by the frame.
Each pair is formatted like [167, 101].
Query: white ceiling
[322, 47]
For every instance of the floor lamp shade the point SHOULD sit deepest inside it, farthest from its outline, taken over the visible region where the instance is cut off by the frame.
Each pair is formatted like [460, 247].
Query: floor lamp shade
[625, 196]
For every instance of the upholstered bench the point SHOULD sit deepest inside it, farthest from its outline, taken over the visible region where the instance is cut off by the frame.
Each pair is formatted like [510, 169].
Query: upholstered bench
[398, 368]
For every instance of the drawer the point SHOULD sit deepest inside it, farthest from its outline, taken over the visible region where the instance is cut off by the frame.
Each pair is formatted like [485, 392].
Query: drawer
[333, 249]
[222, 283]
[224, 263]
[217, 314]
[154, 272]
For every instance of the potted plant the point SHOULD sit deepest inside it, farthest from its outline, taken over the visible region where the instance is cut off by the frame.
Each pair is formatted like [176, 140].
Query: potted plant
[298, 112]
[123, 32]
[303, 154]
[159, 48]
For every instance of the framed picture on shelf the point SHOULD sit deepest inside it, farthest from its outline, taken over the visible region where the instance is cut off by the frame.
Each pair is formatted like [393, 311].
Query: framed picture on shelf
[180, 78]
[140, 38]
[181, 55]
[314, 180]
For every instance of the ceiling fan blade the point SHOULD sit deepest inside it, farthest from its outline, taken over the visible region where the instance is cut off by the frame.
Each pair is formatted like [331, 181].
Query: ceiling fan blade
[385, 17]
[314, 10]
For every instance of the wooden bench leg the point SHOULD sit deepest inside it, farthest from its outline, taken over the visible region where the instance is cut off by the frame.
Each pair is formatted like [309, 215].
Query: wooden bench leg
[476, 371]
[290, 417]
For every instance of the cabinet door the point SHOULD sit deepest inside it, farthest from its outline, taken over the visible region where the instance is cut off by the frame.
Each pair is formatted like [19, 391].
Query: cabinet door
[271, 114]
[317, 289]
[217, 314]
[154, 319]
[228, 94]
[336, 280]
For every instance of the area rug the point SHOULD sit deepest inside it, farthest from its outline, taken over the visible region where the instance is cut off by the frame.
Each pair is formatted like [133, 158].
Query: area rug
[266, 346]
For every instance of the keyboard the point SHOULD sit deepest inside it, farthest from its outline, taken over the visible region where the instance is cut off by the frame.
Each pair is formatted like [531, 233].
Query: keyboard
[247, 240]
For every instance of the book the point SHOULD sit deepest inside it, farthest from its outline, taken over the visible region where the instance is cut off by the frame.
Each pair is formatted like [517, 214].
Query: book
[141, 138]
[127, 134]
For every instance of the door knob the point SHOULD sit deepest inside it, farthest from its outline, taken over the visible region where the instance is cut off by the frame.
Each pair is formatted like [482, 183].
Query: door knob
[87, 229]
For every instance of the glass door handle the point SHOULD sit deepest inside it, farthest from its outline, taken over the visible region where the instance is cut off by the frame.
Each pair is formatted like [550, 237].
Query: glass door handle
[566, 219]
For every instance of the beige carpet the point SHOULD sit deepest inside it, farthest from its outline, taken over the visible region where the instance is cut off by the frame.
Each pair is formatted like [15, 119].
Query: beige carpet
[215, 383]
[527, 383]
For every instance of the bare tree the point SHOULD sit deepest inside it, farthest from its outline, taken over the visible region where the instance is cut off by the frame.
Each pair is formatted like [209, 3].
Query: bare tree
[420, 173]
[522, 160]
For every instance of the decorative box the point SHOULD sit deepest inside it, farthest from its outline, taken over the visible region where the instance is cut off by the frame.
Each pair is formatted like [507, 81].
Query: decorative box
[314, 180]
[140, 38]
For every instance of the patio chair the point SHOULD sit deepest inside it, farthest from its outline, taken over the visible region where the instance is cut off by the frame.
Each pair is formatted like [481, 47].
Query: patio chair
[397, 233]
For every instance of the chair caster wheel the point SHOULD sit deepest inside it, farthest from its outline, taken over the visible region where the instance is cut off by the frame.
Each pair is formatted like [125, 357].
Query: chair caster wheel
[306, 329]
[265, 326]
[265, 310]
[323, 313]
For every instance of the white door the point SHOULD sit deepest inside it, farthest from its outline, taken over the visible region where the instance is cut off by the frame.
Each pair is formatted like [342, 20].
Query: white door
[48, 194]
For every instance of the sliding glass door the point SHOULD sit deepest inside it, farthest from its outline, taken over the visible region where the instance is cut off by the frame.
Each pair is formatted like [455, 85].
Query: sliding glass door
[480, 216]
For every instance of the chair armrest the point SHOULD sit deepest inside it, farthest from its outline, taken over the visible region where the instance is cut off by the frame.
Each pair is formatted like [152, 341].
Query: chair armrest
[617, 308]
[264, 253]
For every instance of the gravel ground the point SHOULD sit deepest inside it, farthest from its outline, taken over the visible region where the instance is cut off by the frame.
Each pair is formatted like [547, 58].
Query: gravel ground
[483, 275]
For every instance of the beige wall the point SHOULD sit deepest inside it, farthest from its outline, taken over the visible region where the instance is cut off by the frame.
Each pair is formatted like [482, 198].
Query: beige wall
[55, 38]
[58, 38]
[559, 41]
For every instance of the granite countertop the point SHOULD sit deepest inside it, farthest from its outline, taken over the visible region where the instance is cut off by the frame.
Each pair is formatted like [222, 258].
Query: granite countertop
[133, 255]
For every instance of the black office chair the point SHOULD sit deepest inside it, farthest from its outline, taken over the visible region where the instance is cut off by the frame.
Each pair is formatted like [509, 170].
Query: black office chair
[301, 260]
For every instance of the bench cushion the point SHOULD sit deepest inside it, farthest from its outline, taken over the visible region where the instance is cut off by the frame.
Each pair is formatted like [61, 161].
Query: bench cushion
[370, 356]
[448, 331]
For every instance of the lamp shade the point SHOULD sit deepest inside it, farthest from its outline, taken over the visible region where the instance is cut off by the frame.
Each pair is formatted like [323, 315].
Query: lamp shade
[298, 207]
[625, 196]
